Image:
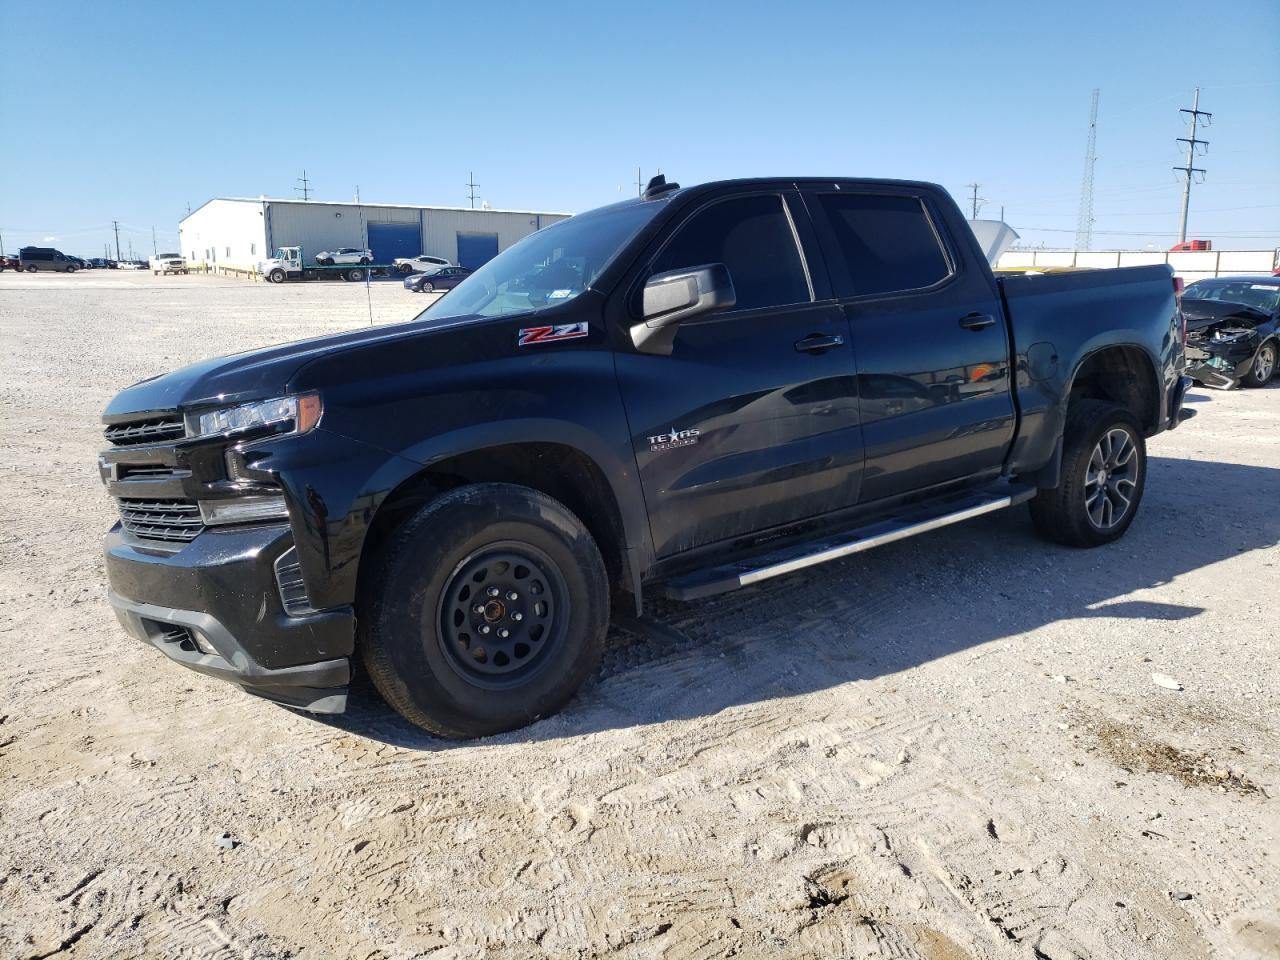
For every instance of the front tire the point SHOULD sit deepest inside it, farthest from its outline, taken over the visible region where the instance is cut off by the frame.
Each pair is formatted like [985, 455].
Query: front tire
[1104, 473]
[486, 611]
[1263, 367]
[276, 276]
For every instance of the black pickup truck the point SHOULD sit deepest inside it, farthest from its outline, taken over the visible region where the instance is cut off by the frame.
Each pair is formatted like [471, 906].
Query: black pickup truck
[683, 394]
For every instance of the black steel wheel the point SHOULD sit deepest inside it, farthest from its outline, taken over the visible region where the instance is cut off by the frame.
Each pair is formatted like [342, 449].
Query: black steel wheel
[502, 612]
[486, 610]
[1104, 472]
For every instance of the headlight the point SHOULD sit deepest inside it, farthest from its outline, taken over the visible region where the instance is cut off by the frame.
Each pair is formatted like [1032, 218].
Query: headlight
[300, 412]
[244, 509]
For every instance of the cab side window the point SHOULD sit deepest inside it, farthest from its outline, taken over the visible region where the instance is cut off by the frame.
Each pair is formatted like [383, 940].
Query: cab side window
[752, 236]
[887, 243]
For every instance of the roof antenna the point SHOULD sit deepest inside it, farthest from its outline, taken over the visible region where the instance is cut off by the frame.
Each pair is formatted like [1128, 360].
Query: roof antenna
[657, 187]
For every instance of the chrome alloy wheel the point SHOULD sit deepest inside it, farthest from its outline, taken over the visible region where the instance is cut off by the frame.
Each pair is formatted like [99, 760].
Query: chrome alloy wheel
[1265, 363]
[1111, 479]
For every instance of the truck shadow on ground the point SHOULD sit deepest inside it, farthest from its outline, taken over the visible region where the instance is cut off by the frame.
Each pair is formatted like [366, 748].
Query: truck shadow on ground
[892, 609]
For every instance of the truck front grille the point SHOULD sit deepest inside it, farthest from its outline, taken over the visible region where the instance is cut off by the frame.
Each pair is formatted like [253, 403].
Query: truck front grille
[170, 520]
[155, 430]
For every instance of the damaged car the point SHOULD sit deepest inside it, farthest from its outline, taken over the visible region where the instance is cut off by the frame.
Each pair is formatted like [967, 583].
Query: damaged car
[1233, 330]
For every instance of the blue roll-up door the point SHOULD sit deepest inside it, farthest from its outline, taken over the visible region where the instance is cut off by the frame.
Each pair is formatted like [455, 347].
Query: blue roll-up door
[476, 249]
[391, 240]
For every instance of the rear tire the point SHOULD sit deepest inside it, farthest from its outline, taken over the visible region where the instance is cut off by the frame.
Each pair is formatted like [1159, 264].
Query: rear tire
[1104, 472]
[353, 275]
[478, 562]
[364, 261]
[31, 268]
[1263, 367]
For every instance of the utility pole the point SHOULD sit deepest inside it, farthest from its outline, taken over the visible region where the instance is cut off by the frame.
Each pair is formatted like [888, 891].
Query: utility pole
[639, 184]
[305, 189]
[115, 224]
[1084, 221]
[976, 199]
[471, 186]
[357, 193]
[1, 244]
[154, 249]
[1190, 170]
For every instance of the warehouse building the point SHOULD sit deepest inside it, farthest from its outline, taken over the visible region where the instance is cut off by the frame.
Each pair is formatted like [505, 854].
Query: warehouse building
[238, 231]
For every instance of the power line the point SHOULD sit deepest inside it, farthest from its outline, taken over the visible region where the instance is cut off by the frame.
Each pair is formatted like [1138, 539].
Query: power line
[1238, 235]
[1084, 220]
[1190, 170]
[471, 188]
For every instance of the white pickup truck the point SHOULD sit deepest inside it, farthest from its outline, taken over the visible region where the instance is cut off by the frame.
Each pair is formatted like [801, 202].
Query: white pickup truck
[167, 263]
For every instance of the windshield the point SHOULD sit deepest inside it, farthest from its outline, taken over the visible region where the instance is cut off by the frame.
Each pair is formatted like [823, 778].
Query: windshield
[1262, 296]
[546, 268]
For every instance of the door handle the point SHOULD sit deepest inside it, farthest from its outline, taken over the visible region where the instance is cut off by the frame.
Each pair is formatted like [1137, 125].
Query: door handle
[977, 321]
[819, 342]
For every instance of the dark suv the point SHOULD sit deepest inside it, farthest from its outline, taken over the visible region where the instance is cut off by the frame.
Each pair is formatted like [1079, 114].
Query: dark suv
[32, 259]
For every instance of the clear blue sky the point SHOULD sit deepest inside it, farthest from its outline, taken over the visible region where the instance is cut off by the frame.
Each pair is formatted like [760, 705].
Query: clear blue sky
[132, 111]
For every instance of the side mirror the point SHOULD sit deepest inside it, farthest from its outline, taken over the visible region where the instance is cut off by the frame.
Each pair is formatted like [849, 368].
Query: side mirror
[675, 296]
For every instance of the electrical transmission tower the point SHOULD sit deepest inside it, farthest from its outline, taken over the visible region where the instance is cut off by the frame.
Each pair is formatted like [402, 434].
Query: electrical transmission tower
[1084, 223]
[1190, 170]
[471, 188]
[305, 189]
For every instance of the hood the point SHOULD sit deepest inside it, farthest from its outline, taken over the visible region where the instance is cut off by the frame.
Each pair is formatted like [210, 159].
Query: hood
[258, 374]
[1204, 314]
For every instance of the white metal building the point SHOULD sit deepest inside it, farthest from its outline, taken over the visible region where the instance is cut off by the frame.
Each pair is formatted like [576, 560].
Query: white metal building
[240, 231]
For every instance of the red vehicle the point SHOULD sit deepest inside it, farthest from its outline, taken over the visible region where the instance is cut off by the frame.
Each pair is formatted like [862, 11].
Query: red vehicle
[1187, 245]
[7, 263]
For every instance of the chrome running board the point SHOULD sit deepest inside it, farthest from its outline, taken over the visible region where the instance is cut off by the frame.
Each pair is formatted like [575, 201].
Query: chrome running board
[906, 523]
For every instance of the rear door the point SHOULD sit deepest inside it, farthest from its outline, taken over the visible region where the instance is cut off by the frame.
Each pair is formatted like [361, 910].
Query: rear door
[928, 333]
[752, 421]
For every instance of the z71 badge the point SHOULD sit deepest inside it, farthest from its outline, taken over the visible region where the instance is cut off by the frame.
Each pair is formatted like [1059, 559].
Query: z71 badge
[529, 336]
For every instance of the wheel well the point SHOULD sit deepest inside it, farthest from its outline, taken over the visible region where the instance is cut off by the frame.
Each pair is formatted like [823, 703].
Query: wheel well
[1121, 375]
[559, 471]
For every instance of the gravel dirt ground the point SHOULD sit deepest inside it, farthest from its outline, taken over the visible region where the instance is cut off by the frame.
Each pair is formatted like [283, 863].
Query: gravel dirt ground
[948, 748]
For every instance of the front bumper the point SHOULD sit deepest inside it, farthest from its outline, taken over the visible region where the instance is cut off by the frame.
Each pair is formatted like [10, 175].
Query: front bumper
[214, 607]
[1223, 368]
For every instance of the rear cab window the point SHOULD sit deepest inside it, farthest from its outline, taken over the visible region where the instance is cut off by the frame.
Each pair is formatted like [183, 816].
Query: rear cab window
[883, 243]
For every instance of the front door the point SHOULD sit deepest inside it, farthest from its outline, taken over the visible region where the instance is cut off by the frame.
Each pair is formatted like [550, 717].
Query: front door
[929, 335]
[752, 421]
